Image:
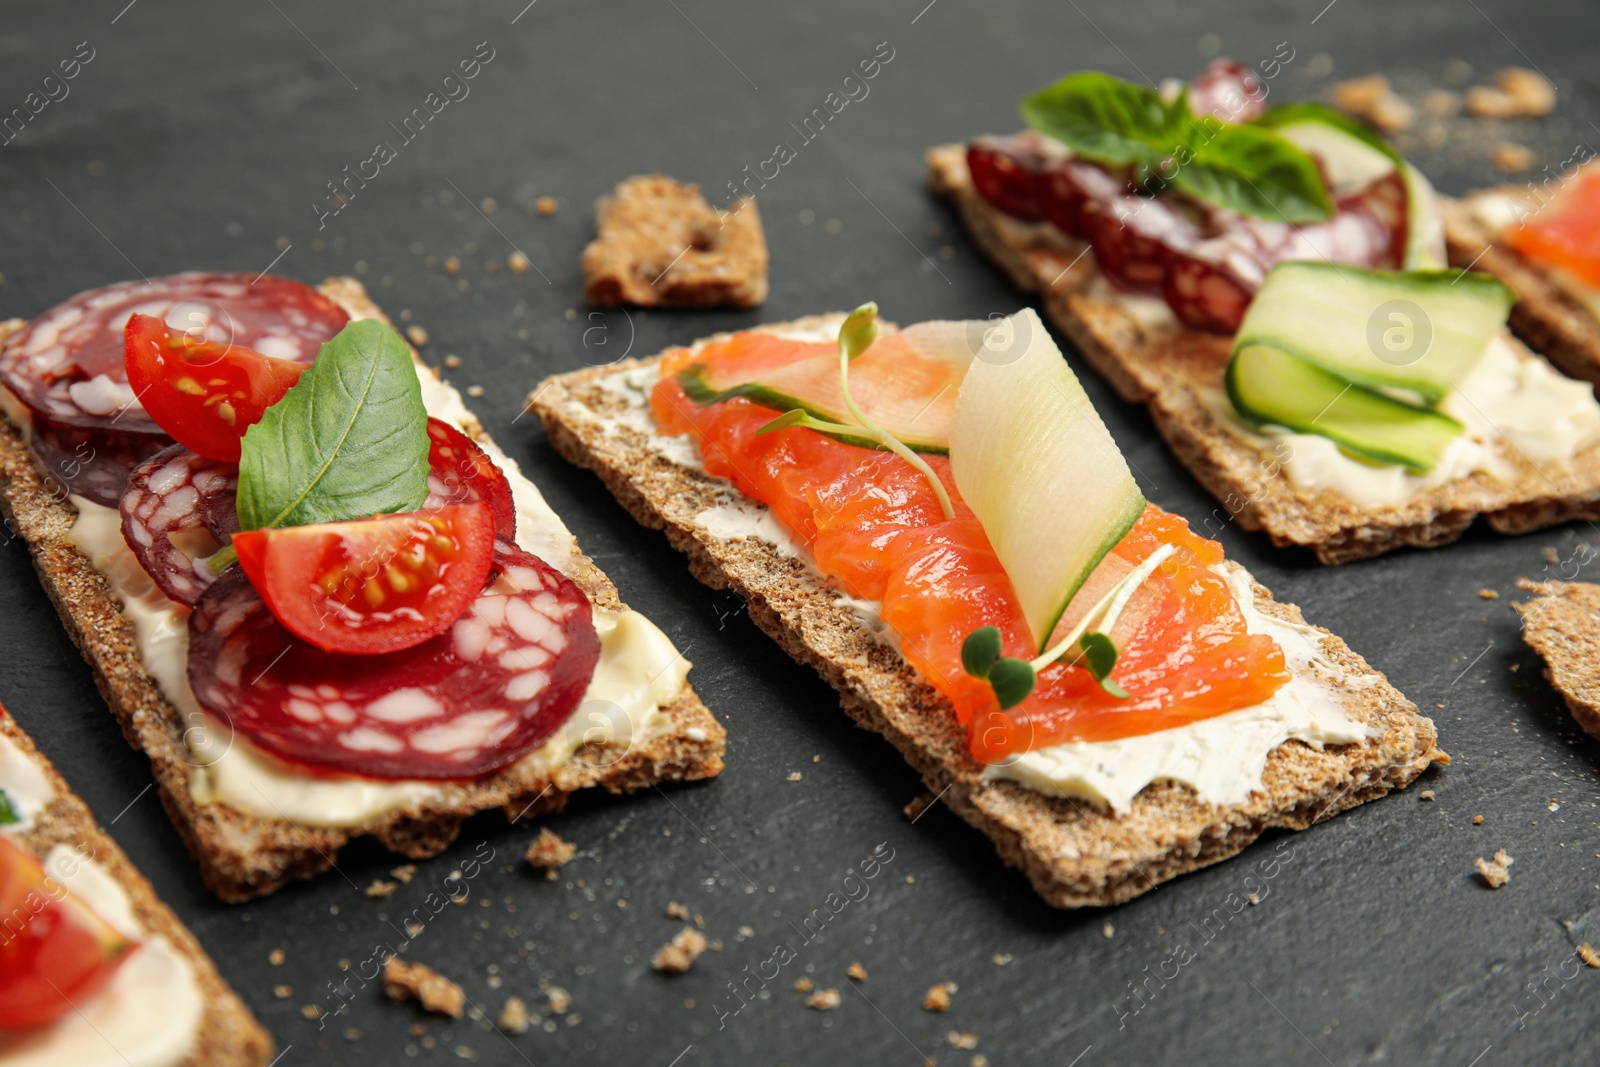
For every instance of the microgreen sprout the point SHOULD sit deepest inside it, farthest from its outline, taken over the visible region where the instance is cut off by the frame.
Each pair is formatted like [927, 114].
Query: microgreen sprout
[856, 335]
[1013, 679]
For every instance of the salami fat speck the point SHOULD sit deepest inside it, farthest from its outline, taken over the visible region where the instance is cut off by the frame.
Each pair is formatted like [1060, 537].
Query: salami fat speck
[503, 679]
[176, 509]
[67, 365]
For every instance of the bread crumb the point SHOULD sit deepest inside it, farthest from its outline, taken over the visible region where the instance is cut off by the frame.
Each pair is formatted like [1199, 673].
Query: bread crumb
[549, 852]
[545, 205]
[1373, 99]
[937, 998]
[417, 335]
[856, 972]
[276, 958]
[917, 805]
[1426, 794]
[517, 262]
[514, 1016]
[1108, 930]
[700, 920]
[1002, 958]
[560, 1000]
[1441, 103]
[1551, 555]
[428, 987]
[404, 874]
[823, 1000]
[980, 1060]
[488, 206]
[1512, 158]
[794, 776]
[1588, 955]
[282, 992]
[452, 265]
[677, 911]
[452, 361]
[1488, 594]
[1517, 93]
[311, 1011]
[802, 985]
[474, 391]
[961, 1040]
[1477, 820]
[679, 954]
[380, 889]
[1494, 871]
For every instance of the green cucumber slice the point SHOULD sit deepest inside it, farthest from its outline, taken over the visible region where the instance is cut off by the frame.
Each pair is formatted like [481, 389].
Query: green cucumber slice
[906, 382]
[1271, 387]
[1416, 331]
[1353, 155]
[1039, 470]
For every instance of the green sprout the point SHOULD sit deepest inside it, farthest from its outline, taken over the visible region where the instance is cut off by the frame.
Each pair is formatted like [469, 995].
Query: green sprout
[1013, 680]
[856, 334]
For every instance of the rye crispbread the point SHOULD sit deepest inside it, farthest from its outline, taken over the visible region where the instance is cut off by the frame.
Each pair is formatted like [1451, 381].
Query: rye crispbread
[1178, 374]
[243, 855]
[661, 245]
[1075, 853]
[1562, 624]
[1547, 316]
[229, 1035]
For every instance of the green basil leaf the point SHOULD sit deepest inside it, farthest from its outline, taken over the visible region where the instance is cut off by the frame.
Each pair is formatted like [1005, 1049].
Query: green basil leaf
[980, 650]
[8, 812]
[349, 440]
[1099, 659]
[1012, 680]
[1253, 171]
[1106, 119]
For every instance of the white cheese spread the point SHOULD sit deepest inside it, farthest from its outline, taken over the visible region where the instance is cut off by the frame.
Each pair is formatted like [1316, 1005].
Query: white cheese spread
[27, 789]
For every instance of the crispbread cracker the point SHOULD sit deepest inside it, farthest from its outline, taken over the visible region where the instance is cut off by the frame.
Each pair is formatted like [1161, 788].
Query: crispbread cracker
[1075, 853]
[242, 855]
[1178, 374]
[1562, 624]
[229, 1035]
[1551, 320]
[661, 245]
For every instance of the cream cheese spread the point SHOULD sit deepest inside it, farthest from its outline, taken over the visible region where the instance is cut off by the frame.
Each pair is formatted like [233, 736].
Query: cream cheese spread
[27, 789]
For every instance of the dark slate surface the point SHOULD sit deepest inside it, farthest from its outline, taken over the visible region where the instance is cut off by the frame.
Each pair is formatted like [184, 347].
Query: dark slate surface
[201, 136]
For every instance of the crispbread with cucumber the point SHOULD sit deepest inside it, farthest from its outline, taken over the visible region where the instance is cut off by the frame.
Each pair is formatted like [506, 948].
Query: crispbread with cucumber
[1270, 282]
[333, 608]
[937, 521]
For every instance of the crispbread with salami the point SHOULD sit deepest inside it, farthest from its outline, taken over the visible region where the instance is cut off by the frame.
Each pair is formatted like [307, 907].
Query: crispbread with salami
[245, 841]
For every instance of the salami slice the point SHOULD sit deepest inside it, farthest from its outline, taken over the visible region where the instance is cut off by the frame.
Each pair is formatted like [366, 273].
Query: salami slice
[1228, 90]
[67, 365]
[91, 463]
[177, 509]
[503, 679]
[460, 473]
[1006, 171]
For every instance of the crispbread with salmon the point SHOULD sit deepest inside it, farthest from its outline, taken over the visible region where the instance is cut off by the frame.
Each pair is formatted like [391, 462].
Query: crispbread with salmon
[243, 855]
[1178, 374]
[1076, 853]
[229, 1036]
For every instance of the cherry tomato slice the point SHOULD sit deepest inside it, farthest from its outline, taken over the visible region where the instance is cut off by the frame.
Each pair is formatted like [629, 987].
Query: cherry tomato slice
[54, 952]
[205, 394]
[373, 585]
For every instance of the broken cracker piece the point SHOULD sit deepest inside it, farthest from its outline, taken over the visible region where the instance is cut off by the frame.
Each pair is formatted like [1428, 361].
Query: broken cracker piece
[856, 972]
[1512, 158]
[823, 1000]
[1517, 93]
[549, 851]
[514, 1016]
[1494, 871]
[802, 985]
[1588, 955]
[380, 889]
[937, 998]
[679, 954]
[416, 981]
[1371, 98]
[659, 244]
[1488, 594]
[677, 911]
